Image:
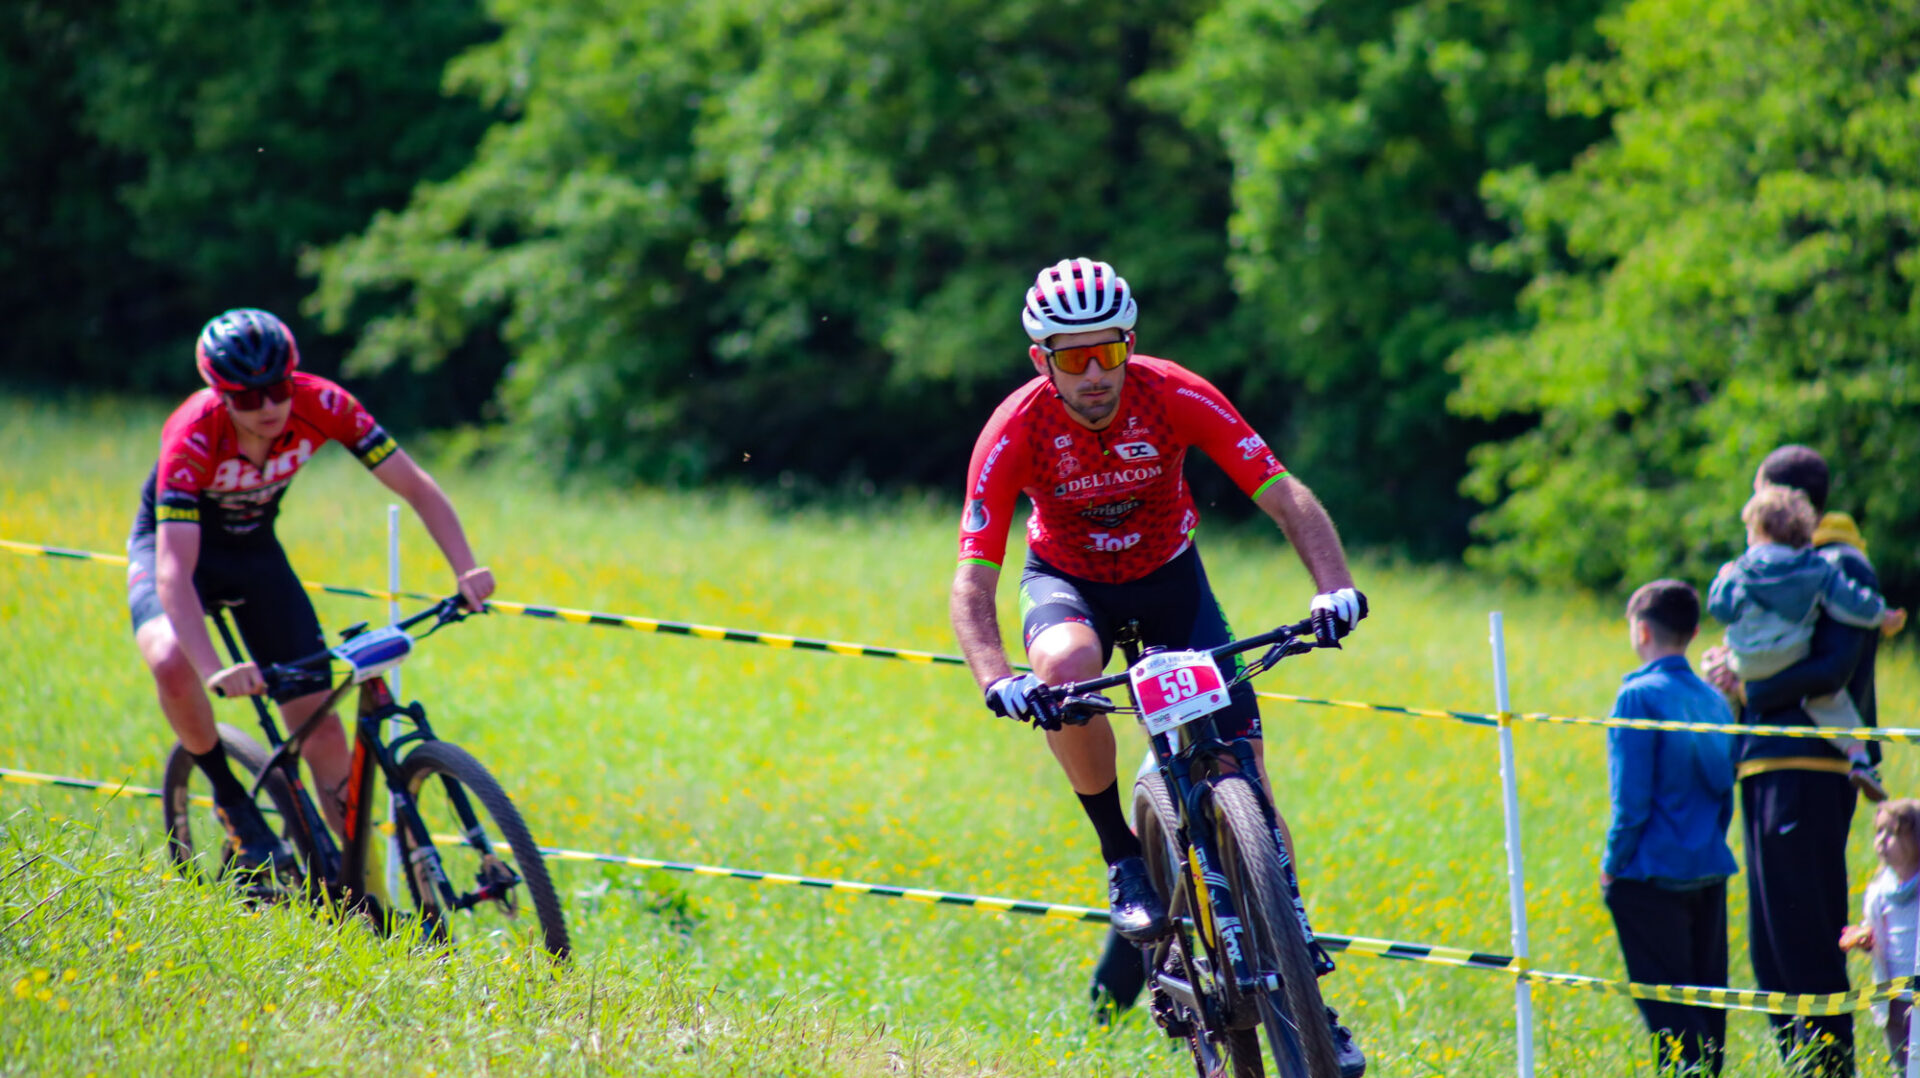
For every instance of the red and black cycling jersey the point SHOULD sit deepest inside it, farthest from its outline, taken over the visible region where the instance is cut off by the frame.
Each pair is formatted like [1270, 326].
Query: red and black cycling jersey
[201, 478]
[1109, 505]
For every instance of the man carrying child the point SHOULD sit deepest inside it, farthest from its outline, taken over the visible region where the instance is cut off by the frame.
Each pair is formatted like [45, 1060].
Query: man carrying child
[1771, 597]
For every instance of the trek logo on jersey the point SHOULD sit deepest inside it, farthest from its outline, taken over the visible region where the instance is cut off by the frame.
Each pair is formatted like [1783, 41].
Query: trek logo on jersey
[1104, 480]
[986, 466]
[1111, 513]
[976, 517]
[1251, 446]
[240, 474]
[1135, 451]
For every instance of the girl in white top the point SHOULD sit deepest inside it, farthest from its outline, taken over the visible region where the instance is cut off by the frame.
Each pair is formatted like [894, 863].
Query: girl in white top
[1891, 927]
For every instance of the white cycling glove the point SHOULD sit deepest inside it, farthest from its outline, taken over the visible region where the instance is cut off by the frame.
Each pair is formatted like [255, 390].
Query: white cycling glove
[1336, 613]
[1022, 698]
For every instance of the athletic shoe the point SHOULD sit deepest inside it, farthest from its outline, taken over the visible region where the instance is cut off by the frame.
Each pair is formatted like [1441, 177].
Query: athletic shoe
[1866, 779]
[251, 844]
[1117, 979]
[1353, 1062]
[1134, 909]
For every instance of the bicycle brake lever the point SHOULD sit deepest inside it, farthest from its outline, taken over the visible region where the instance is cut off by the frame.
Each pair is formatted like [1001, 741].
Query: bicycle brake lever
[1079, 710]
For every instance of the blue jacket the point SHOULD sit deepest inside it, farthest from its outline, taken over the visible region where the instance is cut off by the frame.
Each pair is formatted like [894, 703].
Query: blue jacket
[1672, 792]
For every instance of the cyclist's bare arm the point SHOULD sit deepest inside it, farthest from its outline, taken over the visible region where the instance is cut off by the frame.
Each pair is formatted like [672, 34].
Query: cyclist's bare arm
[976, 623]
[176, 554]
[411, 482]
[1309, 530]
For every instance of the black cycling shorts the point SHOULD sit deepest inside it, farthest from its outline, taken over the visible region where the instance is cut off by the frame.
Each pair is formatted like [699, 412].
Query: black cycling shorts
[1174, 606]
[273, 612]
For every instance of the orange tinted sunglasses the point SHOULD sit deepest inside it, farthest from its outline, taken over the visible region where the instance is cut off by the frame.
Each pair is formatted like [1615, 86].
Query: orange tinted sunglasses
[1074, 360]
[252, 400]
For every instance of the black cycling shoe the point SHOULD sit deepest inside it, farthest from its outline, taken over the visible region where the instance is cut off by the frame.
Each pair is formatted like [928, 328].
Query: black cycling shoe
[252, 847]
[1353, 1062]
[1134, 909]
[1117, 979]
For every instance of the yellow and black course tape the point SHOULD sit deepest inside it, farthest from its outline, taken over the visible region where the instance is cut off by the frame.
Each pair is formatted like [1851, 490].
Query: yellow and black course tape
[1733, 999]
[870, 651]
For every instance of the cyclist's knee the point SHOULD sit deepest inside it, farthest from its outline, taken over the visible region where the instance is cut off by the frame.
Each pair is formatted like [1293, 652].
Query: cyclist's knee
[1068, 651]
[164, 656]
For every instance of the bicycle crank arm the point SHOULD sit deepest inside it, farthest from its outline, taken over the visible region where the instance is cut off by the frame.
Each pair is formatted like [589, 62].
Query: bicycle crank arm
[1181, 991]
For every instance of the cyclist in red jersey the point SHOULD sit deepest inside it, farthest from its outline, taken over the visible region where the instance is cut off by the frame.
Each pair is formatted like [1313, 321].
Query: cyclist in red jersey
[204, 533]
[1097, 442]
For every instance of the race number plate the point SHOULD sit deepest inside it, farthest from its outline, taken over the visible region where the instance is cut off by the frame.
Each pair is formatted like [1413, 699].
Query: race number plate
[1174, 688]
[374, 653]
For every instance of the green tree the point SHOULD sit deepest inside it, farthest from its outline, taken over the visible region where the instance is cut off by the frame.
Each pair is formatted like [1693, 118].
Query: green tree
[1733, 270]
[740, 239]
[1359, 133]
[171, 158]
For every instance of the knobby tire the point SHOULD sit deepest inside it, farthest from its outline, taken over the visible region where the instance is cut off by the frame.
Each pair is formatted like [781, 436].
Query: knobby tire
[1296, 1018]
[1154, 819]
[445, 761]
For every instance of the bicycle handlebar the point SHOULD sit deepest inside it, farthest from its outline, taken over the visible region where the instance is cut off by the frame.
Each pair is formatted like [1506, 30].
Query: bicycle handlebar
[445, 612]
[1285, 636]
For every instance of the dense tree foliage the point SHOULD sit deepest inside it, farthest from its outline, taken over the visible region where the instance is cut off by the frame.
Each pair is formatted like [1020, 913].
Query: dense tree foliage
[1734, 269]
[734, 238]
[686, 241]
[1359, 132]
[166, 159]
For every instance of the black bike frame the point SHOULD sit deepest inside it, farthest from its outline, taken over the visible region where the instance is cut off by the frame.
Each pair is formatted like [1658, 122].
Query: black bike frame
[346, 869]
[1181, 754]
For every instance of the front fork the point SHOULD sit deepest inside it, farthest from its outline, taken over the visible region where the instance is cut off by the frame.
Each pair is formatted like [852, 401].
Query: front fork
[424, 863]
[1215, 896]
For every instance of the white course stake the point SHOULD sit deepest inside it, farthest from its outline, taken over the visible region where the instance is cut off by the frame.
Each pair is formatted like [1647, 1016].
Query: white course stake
[1913, 1057]
[1516, 866]
[393, 682]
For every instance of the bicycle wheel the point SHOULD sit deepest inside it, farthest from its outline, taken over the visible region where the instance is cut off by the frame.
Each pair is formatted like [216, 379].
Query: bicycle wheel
[1214, 1051]
[195, 836]
[1296, 1017]
[490, 886]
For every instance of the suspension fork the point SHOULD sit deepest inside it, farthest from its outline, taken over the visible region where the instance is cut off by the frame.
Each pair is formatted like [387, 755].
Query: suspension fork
[376, 705]
[1202, 841]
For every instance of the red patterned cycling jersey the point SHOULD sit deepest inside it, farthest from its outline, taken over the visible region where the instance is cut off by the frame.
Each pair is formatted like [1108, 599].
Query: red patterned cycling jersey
[1109, 505]
[201, 477]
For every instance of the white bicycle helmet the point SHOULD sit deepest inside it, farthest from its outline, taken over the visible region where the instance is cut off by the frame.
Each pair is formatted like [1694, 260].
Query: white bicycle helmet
[1077, 295]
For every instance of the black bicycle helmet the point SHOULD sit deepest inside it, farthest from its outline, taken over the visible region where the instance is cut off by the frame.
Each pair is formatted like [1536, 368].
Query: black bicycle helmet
[245, 348]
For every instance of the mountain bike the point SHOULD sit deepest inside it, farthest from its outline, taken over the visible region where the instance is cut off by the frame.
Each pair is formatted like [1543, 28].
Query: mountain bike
[463, 848]
[1238, 958]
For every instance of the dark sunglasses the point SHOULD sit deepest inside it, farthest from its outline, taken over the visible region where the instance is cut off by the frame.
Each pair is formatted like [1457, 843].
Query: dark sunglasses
[252, 400]
[1075, 360]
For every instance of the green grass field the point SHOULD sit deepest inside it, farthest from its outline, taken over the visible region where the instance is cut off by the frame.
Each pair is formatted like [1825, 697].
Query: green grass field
[793, 762]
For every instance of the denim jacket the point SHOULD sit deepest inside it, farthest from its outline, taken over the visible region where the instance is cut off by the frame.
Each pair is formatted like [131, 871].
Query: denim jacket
[1672, 792]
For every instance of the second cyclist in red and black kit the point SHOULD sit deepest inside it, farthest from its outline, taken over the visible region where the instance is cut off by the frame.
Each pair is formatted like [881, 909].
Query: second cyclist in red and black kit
[204, 534]
[1097, 442]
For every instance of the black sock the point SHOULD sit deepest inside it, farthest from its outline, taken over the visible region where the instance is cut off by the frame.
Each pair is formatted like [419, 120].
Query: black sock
[213, 764]
[1116, 839]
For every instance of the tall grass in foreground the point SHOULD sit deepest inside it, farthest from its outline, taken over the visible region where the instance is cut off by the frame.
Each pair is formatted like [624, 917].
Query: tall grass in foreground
[806, 763]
